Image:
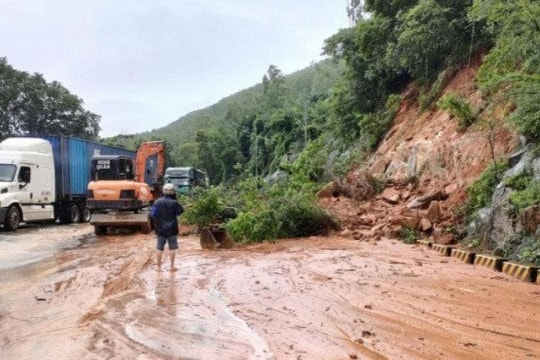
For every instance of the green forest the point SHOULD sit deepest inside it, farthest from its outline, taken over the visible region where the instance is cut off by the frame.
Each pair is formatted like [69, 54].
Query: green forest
[277, 142]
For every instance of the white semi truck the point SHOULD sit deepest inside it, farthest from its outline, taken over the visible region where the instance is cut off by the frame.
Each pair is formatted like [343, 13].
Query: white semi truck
[46, 178]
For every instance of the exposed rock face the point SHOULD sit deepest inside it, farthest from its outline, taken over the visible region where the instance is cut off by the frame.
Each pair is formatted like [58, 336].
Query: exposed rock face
[499, 225]
[428, 165]
[530, 219]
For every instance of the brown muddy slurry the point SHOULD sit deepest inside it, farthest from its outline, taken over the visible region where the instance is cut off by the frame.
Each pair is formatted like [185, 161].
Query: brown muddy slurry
[65, 294]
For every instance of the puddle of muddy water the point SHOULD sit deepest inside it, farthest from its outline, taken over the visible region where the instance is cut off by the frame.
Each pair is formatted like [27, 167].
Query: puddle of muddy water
[32, 245]
[179, 319]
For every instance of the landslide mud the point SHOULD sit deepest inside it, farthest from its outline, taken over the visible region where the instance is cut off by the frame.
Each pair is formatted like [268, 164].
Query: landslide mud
[83, 297]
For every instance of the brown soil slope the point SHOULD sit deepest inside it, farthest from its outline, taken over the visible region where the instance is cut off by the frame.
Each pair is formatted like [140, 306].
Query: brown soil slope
[424, 155]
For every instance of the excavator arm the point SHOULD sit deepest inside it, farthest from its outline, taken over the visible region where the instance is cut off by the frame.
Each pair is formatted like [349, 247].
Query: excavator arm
[146, 150]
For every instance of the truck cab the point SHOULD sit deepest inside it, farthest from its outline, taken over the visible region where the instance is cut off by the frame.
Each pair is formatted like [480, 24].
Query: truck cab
[186, 179]
[27, 181]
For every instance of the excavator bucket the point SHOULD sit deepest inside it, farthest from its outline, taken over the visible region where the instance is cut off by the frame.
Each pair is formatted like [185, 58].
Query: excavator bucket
[215, 238]
[121, 219]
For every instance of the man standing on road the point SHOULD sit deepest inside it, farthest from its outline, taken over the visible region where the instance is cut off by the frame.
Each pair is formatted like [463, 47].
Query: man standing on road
[165, 212]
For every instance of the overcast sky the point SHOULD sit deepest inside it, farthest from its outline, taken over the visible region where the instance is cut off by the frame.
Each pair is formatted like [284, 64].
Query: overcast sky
[142, 64]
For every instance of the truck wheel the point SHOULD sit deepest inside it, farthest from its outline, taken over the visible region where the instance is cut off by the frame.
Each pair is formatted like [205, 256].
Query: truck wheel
[100, 229]
[85, 215]
[13, 219]
[74, 213]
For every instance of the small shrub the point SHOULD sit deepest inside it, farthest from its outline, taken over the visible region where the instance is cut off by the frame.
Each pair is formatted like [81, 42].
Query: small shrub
[529, 195]
[408, 235]
[529, 250]
[281, 216]
[205, 208]
[427, 97]
[377, 184]
[253, 227]
[458, 107]
[481, 191]
[519, 182]
[302, 218]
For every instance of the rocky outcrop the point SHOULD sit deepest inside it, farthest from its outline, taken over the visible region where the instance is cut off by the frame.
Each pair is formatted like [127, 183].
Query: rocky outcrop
[425, 165]
[500, 226]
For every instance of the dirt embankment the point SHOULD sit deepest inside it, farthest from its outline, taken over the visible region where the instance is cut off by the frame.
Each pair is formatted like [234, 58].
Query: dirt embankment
[424, 157]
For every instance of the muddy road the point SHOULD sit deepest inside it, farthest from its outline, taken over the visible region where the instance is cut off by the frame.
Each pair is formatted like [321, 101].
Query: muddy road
[65, 294]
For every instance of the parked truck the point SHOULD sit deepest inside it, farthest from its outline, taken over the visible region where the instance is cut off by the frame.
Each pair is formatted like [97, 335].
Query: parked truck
[45, 178]
[185, 178]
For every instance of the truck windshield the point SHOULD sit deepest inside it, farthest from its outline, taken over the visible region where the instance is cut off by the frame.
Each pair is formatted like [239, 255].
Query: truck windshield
[178, 181]
[7, 172]
[178, 173]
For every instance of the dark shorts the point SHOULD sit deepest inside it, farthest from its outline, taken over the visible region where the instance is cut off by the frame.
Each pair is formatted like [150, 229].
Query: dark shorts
[170, 240]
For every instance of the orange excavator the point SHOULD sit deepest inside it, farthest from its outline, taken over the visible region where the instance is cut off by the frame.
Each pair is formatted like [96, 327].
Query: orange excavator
[121, 191]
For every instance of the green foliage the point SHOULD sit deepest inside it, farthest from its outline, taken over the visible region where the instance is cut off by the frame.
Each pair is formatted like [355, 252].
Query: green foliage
[428, 97]
[205, 208]
[519, 182]
[249, 132]
[409, 235]
[458, 107]
[299, 218]
[253, 227]
[186, 154]
[431, 36]
[526, 190]
[481, 191]
[529, 250]
[527, 196]
[343, 162]
[388, 8]
[526, 118]
[513, 66]
[269, 212]
[310, 166]
[29, 105]
[373, 127]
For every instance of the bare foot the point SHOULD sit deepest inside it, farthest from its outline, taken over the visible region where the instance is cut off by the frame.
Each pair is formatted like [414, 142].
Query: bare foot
[173, 269]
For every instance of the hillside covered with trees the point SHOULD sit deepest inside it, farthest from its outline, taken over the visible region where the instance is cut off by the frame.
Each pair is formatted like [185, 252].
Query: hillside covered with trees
[348, 102]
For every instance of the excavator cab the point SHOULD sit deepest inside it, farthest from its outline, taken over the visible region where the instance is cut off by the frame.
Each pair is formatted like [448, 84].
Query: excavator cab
[110, 167]
[122, 190]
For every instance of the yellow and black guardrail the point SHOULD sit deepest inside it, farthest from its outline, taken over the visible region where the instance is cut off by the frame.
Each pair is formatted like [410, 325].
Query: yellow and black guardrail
[528, 273]
[464, 255]
[445, 250]
[490, 261]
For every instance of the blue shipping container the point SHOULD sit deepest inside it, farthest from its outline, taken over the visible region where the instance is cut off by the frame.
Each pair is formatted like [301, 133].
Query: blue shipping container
[72, 163]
